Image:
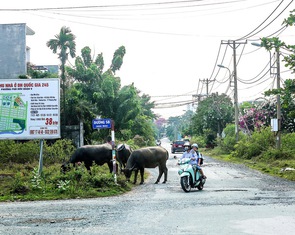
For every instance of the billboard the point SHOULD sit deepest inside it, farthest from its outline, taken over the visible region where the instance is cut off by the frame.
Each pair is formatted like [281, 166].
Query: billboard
[30, 108]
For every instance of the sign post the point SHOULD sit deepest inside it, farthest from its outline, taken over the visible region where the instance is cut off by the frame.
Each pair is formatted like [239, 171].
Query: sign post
[114, 152]
[108, 124]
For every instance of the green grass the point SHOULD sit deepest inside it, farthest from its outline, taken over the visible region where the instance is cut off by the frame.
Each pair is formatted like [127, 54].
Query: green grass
[22, 183]
[268, 166]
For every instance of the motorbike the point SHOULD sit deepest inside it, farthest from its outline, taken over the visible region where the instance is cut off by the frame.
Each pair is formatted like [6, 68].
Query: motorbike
[188, 178]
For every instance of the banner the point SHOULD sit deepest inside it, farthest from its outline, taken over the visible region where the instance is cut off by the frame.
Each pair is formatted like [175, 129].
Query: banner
[30, 108]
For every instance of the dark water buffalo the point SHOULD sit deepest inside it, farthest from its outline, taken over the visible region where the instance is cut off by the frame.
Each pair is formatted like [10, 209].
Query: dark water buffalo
[123, 153]
[149, 157]
[100, 154]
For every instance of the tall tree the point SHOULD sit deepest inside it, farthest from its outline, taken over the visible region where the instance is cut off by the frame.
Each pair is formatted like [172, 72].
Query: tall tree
[213, 113]
[118, 59]
[287, 92]
[63, 44]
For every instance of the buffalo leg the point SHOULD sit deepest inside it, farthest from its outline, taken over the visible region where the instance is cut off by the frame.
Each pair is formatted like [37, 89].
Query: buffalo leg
[142, 175]
[160, 175]
[165, 174]
[135, 176]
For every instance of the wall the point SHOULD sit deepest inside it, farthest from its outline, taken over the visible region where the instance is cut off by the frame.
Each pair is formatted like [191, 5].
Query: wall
[12, 50]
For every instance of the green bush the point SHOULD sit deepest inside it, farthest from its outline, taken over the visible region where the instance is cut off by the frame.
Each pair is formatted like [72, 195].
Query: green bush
[288, 143]
[19, 184]
[139, 141]
[227, 144]
[259, 142]
[28, 152]
[18, 152]
[58, 152]
[200, 140]
[274, 154]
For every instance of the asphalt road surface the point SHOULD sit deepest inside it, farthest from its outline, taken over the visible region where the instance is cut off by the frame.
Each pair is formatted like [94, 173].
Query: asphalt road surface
[235, 200]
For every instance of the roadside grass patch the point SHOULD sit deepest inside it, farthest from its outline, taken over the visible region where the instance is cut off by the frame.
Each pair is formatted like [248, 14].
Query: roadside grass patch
[267, 163]
[23, 183]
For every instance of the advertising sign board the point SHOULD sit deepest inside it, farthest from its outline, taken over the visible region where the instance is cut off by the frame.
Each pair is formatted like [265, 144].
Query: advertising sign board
[30, 108]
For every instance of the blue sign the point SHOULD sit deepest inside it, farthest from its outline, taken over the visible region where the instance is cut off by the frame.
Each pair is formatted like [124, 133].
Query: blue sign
[101, 123]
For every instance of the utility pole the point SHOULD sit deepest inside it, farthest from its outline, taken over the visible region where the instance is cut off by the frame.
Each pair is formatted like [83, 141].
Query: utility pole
[236, 93]
[233, 44]
[278, 142]
[207, 81]
[278, 74]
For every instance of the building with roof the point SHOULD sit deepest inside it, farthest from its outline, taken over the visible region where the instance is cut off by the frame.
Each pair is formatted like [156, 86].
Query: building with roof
[14, 53]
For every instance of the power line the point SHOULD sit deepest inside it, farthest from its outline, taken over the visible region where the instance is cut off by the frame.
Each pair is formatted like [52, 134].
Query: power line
[122, 5]
[248, 35]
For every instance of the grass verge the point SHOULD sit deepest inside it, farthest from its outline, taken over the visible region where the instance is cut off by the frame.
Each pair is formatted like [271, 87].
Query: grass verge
[21, 182]
[283, 168]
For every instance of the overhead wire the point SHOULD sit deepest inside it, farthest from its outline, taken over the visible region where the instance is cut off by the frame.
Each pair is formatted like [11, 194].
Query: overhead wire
[174, 13]
[121, 5]
[249, 34]
[250, 81]
[278, 32]
[215, 65]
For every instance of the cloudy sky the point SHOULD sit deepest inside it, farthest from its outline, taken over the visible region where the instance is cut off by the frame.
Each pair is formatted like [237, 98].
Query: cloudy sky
[171, 46]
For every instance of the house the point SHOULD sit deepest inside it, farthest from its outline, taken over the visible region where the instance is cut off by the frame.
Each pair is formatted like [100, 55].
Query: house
[14, 53]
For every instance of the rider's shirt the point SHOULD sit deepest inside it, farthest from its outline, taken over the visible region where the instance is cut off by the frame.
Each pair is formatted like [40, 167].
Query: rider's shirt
[196, 156]
[186, 154]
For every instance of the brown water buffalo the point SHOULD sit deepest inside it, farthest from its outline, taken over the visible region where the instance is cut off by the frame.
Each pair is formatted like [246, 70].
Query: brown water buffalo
[100, 154]
[149, 157]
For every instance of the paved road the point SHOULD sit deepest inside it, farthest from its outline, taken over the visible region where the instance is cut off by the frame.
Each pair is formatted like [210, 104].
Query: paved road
[235, 200]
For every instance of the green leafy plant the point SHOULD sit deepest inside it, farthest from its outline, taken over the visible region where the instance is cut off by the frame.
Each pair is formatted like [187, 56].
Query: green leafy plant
[19, 185]
[36, 179]
[63, 185]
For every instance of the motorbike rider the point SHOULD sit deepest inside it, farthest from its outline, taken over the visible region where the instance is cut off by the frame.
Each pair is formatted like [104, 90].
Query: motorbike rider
[186, 153]
[196, 159]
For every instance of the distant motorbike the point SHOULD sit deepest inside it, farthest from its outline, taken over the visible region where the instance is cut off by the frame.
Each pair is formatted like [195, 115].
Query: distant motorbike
[188, 178]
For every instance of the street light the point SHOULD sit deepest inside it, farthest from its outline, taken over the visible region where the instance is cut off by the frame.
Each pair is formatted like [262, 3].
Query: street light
[277, 49]
[235, 100]
[223, 67]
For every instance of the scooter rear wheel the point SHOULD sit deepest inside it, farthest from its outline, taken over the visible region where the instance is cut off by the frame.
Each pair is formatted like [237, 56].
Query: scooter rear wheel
[200, 186]
[185, 185]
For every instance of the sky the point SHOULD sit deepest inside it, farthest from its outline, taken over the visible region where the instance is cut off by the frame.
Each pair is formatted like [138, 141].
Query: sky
[172, 46]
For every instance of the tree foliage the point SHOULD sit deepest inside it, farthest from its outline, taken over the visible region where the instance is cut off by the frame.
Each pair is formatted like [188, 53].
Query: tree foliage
[95, 92]
[64, 45]
[213, 113]
[287, 92]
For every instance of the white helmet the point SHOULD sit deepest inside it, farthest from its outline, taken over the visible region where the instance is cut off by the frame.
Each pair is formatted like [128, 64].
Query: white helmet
[195, 145]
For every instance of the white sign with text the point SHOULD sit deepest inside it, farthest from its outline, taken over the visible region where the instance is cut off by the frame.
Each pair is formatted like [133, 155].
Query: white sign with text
[30, 108]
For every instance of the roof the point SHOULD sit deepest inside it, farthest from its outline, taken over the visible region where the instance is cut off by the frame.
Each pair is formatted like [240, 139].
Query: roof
[29, 31]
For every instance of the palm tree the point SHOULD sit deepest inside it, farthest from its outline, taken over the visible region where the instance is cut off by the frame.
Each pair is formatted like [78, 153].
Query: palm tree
[118, 59]
[63, 44]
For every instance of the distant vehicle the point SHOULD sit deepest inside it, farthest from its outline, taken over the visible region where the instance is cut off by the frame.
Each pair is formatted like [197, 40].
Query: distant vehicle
[177, 146]
[187, 142]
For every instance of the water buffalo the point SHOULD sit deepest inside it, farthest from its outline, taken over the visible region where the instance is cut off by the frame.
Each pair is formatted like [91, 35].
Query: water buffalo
[148, 157]
[123, 153]
[100, 154]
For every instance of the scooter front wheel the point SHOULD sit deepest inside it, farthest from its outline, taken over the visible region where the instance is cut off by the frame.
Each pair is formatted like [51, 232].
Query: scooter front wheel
[185, 185]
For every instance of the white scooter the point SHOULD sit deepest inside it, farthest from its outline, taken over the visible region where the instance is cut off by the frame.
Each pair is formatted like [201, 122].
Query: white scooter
[188, 178]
